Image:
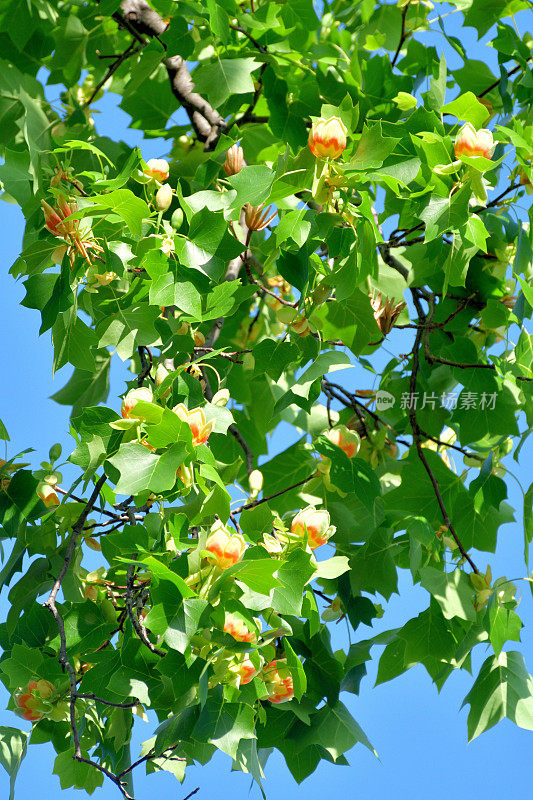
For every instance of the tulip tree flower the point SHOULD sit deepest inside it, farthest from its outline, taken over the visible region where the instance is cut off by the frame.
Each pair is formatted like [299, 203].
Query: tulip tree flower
[195, 419]
[236, 627]
[244, 668]
[470, 142]
[327, 138]
[278, 680]
[386, 311]
[48, 495]
[36, 701]
[143, 393]
[315, 523]
[225, 548]
[157, 168]
[347, 440]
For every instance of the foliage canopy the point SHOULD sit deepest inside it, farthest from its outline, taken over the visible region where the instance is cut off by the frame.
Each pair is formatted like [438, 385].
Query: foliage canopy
[328, 182]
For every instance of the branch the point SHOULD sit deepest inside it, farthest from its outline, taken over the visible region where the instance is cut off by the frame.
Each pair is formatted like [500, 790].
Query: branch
[50, 604]
[492, 86]
[417, 440]
[272, 496]
[403, 35]
[129, 704]
[146, 364]
[139, 628]
[130, 51]
[208, 124]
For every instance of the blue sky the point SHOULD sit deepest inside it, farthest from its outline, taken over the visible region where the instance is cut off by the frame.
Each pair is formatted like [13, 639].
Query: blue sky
[420, 735]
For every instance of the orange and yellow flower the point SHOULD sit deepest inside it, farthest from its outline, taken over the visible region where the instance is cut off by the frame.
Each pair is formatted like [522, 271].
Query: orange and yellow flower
[316, 523]
[143, 393]
[278, 680]
[195, 419]
[157, 168]
[347, 440]
[237, 628]
[225, 548]
[327, 138]
[470, 142]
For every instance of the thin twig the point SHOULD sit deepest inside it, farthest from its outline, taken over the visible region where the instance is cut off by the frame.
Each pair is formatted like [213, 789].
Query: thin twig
[139, 628]
[417, 440]
[130, 51]
[403, 35]
[272, 496]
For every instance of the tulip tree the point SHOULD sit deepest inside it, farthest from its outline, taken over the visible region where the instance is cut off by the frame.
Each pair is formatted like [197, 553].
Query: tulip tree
[329, 180]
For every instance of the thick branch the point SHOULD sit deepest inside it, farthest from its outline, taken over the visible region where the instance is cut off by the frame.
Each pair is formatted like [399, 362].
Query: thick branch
[206, 121]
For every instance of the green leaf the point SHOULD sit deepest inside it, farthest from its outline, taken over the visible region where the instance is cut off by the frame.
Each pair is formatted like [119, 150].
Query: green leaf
[373, 148]
[505, 625]
[225, 77]
[352, 321]
[332, 567]
[224, 724]
[296, 670]
[503, 688]
[13, 745]
[467, 107]
[452, 591]
[76, 773]
[336, 731]
[252, 185]
[139, 469]
[442, 214]
[128, 207]
[181, 626]
[293, 574]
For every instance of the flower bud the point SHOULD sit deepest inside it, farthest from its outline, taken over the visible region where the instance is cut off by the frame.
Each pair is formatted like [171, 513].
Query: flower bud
[163, 197]
[186, 475]
[234, 159]
[176, 219]
[255, 481]
[160, 374]
[321, 293]
[198, 338]
[300, 326]
[195, 419]
[273, 302]
[470, 142]
[157, 168]
[93, 543]
[143, 393]
[226, 548]
[347, 440]
[327, 138]
[221, 398]
[278, 680]
[334, 611]
[315, 523]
